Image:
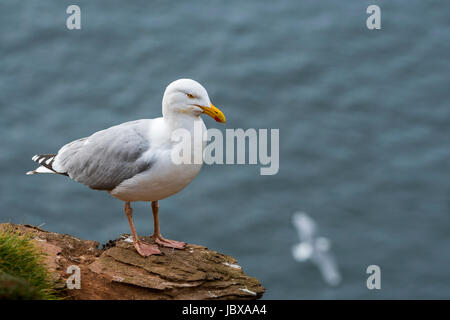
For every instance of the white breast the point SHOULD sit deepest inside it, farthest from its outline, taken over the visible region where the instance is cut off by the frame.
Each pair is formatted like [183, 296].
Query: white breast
[164, 178]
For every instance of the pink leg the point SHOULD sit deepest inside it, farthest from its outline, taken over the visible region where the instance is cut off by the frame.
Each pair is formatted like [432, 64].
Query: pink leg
[157, 234]
[143, 248]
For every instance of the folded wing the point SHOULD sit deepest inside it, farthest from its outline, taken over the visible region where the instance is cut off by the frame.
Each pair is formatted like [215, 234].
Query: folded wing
[108, 157]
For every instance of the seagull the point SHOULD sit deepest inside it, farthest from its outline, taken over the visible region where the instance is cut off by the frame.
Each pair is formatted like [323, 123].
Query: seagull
[314, 248]
[132, 161]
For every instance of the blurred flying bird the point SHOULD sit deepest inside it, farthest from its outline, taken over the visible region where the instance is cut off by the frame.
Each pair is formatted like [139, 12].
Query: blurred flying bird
[314, 248]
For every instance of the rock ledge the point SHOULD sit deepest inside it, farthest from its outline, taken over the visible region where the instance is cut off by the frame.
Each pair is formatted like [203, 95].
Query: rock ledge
[118, 272]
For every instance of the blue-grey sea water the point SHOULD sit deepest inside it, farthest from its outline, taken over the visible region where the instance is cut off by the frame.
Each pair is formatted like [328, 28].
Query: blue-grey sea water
[364, 120]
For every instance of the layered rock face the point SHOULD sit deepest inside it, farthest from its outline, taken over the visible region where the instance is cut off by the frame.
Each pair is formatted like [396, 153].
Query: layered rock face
[118, 272]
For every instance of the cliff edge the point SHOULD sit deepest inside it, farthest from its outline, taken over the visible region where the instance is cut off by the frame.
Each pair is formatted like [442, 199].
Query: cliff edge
[117, 272]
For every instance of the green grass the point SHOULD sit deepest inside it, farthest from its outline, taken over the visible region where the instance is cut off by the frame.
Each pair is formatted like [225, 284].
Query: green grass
[23, 274]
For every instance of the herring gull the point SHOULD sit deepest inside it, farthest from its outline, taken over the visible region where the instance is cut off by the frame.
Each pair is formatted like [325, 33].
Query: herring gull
[132, 161]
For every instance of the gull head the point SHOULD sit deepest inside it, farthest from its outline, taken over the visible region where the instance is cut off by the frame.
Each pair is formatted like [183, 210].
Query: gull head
[188, 97]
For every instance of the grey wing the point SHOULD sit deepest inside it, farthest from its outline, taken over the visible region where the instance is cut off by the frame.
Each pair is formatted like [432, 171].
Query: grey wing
[108, 157]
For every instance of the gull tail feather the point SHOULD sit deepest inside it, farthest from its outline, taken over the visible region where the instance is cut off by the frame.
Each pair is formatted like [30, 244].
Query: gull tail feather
[46, 164]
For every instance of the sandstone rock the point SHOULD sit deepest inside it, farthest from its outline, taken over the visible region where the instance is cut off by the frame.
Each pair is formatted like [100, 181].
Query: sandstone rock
[118, 272]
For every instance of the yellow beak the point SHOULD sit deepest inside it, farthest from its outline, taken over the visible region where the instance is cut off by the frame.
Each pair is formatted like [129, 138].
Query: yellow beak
[214, 113]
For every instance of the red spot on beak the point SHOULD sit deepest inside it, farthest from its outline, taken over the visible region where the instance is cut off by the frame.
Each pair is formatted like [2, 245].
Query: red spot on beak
[217, 119]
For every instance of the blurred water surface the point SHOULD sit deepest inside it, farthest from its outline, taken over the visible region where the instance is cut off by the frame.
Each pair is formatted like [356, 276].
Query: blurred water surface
[364, 122]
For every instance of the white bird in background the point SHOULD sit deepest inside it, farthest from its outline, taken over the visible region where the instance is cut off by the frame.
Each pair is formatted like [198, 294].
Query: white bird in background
[133, 161]
[314, 248]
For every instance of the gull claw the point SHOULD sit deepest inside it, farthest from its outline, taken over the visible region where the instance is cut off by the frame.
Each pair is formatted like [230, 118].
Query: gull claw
[145, 249]
[169, 243]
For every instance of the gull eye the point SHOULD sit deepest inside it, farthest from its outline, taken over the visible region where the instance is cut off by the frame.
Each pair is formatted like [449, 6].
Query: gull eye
[190, 96]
